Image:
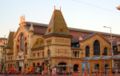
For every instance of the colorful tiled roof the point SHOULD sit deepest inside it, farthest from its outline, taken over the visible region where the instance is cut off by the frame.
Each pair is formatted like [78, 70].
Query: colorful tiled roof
[39, 28]
[57, 24]
[38, 43]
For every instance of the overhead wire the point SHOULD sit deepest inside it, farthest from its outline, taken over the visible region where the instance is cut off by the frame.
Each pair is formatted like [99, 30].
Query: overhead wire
[92, 5]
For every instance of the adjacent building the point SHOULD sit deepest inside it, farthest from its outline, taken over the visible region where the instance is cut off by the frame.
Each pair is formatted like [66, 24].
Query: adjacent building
[3, 42]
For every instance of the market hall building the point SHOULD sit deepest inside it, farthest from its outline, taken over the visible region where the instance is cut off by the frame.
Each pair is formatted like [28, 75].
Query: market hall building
[56, 45]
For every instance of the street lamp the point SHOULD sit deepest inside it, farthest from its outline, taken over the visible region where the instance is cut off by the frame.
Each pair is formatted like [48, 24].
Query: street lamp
[110, 42]
[49, 64]
[110, 39]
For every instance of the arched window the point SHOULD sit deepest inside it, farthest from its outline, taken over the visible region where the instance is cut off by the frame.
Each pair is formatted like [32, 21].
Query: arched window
[105, 51]
[33, 64]
[38, 54]
[38, 64]
[106, 66]
[48, 52]
[43, 54]
[62, 66]
[96, 66]
[26, 48]
[21, 42]
[75, 53]
[96, 47]
[87, 51]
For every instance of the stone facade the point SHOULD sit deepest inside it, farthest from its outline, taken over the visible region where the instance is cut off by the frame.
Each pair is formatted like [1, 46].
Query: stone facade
[3, 42]
[56, 45]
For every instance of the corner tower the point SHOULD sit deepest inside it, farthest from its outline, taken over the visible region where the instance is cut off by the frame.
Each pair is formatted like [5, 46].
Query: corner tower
[58, 40]
[57, 25]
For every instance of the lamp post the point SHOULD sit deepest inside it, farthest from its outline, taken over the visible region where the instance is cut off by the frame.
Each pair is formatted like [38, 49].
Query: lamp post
[49, 55]
[111, 44]
[110, 39]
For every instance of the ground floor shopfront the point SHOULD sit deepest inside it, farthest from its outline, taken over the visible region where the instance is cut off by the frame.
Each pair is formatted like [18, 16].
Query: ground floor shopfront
[81, 66]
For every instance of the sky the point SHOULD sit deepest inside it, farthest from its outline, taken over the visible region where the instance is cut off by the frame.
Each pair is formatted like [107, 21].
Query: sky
[83, 14]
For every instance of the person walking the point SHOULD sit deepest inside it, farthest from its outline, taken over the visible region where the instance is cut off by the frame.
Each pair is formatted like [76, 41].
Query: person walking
[54, 71]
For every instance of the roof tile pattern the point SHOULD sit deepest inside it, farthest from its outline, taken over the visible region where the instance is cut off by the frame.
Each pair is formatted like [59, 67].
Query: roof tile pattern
[10, 40]
[39, 28]
[57, 24]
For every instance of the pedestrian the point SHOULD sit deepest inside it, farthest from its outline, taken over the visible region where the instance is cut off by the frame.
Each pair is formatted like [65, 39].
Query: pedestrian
[54, 71]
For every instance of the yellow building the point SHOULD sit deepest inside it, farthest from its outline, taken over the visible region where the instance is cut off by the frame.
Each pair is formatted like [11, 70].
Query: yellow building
[9, 62]
[56, 45]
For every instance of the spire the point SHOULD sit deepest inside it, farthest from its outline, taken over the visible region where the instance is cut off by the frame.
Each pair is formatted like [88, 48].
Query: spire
[22, 21]
[57, 24]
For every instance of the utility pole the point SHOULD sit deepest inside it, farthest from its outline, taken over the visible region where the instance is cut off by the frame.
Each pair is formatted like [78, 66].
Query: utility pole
[49, 58]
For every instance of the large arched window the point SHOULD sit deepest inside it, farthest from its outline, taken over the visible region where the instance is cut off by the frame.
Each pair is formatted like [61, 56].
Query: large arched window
[87, 51]
[105, 51]
[21, 42]
[96, 47]
[48, 52]
[26, 48]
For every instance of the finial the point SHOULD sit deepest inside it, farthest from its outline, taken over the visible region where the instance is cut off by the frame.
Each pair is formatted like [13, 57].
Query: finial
[22, 19]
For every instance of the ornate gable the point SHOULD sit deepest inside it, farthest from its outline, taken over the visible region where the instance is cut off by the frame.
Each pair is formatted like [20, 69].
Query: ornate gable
[92, 35]
[38, 43]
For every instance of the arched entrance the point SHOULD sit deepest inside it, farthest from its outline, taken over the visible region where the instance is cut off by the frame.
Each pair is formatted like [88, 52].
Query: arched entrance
[62, 67]
[75, 68]
[19, 65]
